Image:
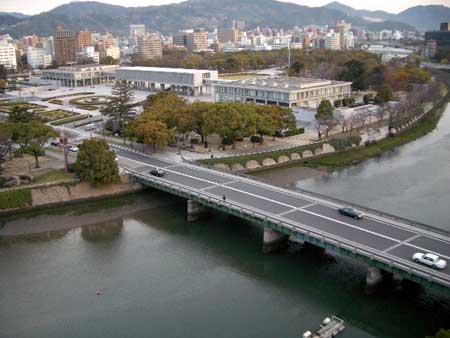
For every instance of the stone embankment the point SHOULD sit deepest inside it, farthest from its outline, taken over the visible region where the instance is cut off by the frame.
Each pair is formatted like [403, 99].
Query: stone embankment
[272, 160]
[25, 198]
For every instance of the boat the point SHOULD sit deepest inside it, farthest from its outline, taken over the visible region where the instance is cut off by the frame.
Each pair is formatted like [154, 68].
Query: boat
[329, 328]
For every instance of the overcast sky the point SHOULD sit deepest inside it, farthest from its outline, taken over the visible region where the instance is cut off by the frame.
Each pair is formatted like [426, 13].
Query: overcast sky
[393, 6]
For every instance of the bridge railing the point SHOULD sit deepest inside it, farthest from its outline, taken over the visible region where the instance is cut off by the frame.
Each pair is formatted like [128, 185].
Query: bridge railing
[305, 230]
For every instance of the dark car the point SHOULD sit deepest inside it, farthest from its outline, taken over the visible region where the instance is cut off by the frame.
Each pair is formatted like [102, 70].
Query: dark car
[54, 143]
[350, 212]
[157, 172]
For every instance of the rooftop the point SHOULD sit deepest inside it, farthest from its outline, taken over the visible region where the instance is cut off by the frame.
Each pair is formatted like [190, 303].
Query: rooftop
[165, 70]
[283, 83]
[81, 68]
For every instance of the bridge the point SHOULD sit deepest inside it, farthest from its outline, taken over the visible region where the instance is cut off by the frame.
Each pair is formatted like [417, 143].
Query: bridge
[385, 242]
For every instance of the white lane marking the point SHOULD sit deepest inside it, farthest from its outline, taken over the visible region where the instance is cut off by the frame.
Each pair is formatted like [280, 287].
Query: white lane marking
[286, 205]
[427, 250]
[294, 207]
[289, 211]
[402, 242]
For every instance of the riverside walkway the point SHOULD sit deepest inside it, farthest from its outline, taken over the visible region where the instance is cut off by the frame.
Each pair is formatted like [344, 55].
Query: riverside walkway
[383, 241]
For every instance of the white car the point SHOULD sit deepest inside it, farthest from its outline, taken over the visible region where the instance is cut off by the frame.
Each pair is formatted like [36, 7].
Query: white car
[429, 259]
[73, 149]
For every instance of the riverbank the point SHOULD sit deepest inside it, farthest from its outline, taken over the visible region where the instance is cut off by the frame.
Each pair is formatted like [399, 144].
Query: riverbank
[346, 158]
[54, 194]
[66, 217]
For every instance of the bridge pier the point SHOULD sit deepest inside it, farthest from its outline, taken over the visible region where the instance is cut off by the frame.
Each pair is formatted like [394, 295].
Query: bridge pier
[274, 241]
[376, 277]
[195, 211]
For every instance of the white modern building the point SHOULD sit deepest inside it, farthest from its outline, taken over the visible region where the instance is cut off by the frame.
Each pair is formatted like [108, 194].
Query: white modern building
[282, 91]
[113, 52]
[39, 57]
[89, 54]
[8, 54]
[80, 75]
[192, 82]
[388, 53]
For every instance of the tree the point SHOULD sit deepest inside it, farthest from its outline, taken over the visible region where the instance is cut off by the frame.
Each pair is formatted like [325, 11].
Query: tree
[96, 163]
[3, 85]
[324, 118]
[5, 140]
[19, 114]
[154, 133]
[120, 105]
[165, 107]
[384, 94]
[264, 126]
[355, 71]
[441, 334]
[38, 134]
[200, 118]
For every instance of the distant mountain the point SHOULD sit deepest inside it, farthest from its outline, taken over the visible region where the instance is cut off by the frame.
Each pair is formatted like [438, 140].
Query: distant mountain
[421, 17]
[362, 13]
[209, 14]
[425, 17]
[15, 14]
[7, 20]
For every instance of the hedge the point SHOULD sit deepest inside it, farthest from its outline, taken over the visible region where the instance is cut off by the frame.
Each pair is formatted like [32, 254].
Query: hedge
[70, 120]
[15, 199]
[66, 95]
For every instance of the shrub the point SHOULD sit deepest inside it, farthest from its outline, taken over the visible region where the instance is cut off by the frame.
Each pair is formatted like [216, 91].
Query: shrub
[344, 143]
[227, 141]
[15, 199]
[69, 120]
[256, 139]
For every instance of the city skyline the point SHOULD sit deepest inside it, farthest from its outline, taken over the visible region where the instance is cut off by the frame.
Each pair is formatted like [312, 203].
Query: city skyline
[39, 6]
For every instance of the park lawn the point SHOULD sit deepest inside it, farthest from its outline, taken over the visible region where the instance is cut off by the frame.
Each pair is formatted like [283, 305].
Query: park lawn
[90, 108]
[7, 107]
[58, 175]
[350, 157]
[53, 115]
[56, 101]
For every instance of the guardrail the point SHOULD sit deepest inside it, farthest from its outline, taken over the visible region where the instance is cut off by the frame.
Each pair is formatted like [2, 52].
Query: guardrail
[303, 229]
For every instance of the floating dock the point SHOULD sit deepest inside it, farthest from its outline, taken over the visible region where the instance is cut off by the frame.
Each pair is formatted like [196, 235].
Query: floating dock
[329, 328]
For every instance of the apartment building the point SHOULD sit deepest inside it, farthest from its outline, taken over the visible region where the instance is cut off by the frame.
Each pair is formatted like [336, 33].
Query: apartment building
[8, 54]
[149, 47]
[65, 45]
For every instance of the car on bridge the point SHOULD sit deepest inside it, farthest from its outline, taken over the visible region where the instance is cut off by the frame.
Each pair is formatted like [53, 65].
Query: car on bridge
[429, 259]
[157, 172]
[351, 212]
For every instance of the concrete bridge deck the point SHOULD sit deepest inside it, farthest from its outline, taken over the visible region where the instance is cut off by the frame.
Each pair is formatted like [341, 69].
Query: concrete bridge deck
[380, 240]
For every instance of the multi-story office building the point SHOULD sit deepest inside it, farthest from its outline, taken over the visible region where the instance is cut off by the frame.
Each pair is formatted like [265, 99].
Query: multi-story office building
[88, 55]
[80, 75]
[137, 30]
[228, 35]
[430, 49]
[65, 44]
[84, 40]
[8, 54]
[47, 43]
[150, 47]
[183, 81]
[30, 41]
[333, 41]
[39, 57]
[113, 52]
[196, 39]
[282, 91]
[442, 37]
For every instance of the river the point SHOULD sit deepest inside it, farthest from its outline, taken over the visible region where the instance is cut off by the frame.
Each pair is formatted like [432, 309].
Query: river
[146, 272]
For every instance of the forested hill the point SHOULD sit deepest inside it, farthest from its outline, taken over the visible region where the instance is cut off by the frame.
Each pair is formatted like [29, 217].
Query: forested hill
[209, 14]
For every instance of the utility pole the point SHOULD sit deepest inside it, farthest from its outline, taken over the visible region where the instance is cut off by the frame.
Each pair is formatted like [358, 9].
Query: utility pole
[289, 55]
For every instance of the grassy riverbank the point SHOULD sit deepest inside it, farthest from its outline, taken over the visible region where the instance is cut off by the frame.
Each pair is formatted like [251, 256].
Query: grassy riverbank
[350, 157]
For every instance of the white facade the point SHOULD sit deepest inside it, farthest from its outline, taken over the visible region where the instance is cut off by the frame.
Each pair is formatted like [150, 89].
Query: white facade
[8, 54]
[184, 81]
[332, 41]
[282, 91]
[89, 53]
[113, 52]
[80, 75]
[39, 57]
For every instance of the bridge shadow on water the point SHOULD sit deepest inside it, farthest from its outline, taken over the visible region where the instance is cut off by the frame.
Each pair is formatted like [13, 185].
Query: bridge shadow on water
[305, 275]
[311, 282]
